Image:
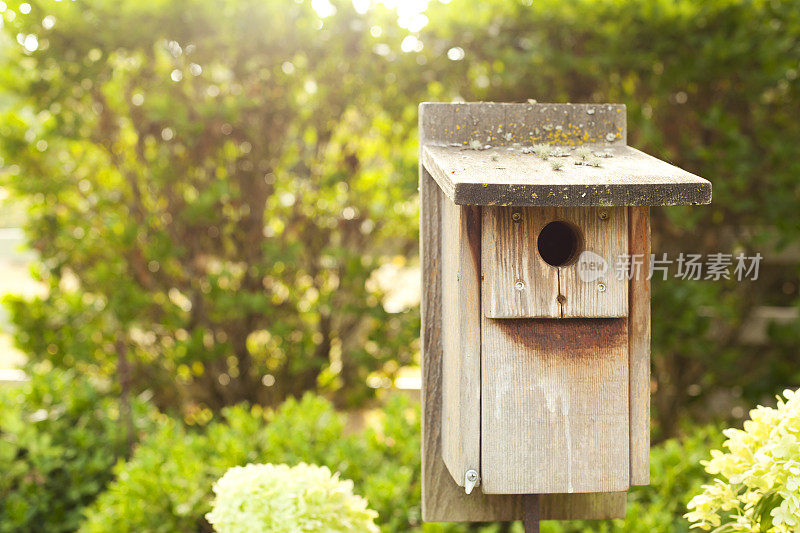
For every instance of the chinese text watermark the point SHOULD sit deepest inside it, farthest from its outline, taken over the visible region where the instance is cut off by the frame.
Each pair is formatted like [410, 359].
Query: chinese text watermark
[709, 267]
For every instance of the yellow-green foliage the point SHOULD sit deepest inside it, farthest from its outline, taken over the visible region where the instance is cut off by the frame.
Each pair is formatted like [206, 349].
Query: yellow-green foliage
[282, 498]
[757, 481]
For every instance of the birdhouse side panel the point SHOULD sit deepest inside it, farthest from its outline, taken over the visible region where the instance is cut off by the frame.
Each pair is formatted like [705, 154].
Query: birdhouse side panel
[639, 347]
[461, 339]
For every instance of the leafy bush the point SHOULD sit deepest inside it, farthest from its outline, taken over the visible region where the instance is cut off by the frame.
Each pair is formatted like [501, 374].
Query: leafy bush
[209, 187]
[166, 485]
[675, 473]
[284, 499]
[757, 481]
[60, 435]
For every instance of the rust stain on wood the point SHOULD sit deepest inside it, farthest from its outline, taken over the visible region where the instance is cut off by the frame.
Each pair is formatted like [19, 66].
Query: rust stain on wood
[579, 337]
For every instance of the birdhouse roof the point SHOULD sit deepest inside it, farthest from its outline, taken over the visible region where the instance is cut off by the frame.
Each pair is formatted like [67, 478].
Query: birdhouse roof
[546, 155]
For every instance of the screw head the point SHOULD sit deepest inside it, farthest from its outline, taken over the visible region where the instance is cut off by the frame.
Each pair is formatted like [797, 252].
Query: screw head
[519, 285]
[601, 287]
[516, 216]
[470, 480]
[561, 298]
[603, 215]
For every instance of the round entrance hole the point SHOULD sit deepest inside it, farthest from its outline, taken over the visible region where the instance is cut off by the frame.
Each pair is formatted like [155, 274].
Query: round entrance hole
[559, 243]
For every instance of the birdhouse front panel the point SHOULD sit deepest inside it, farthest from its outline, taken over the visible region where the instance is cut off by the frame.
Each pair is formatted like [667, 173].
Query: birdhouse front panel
[554, 416]
[557, 389]
[554, 262]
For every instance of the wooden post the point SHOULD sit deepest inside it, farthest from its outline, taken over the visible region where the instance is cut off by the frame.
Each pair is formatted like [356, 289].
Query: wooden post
[531, 520]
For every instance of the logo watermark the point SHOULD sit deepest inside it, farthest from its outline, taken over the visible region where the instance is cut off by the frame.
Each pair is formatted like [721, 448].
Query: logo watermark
[591, 266]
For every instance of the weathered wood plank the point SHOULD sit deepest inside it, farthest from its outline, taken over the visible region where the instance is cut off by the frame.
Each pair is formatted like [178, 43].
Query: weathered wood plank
[519, 283]
[507, 176]
[503, 175]
[461, 338]
[639, 347]
[442, 499]
[605, 238]
[593, 506]
[554, 406]
[516, 282]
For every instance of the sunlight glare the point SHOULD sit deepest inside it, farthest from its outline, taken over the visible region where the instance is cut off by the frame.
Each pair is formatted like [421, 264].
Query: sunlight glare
[324, 8]
[361, 6]
[410, 13]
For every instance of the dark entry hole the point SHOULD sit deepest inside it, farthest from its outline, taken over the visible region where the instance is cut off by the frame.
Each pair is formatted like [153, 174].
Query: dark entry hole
[559, 243]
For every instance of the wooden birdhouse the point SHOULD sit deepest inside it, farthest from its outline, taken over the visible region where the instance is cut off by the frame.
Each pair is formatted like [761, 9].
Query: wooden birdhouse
[536, 329]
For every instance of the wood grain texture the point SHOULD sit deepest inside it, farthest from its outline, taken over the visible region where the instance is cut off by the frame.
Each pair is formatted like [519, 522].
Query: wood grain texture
[639, 348]
[604, 241]
[518, 283]
[507, 176]
[554, 406]
[442, 499]
[591, 506]
[461, 338]
[509, 257]
[503, 175]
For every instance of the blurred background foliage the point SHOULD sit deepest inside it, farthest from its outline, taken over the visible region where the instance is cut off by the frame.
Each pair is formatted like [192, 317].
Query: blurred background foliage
[210, 186]
[222, 197]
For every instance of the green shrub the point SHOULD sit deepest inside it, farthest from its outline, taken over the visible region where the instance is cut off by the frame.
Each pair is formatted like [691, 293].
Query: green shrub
[166, 485]
[60, 435]
[284, 499]
[756, 481]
